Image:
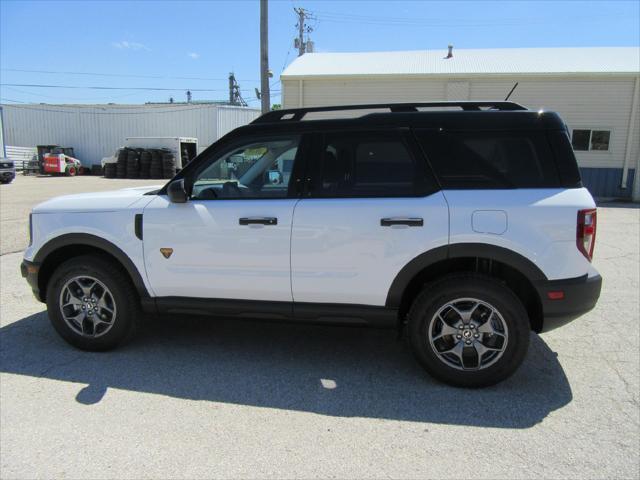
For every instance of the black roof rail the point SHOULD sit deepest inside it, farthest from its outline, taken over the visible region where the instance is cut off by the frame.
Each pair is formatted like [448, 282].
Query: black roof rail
[297, 114]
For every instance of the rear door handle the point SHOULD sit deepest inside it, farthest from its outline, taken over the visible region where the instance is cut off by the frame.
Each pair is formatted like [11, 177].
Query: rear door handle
[258, 221]
[411, 222]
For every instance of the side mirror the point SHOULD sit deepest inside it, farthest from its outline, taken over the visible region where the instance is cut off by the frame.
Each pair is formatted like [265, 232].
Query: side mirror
[176, 191]
[274, 177]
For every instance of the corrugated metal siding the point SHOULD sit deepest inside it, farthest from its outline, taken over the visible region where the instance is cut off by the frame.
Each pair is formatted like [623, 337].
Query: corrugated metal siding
[605, 182]
[97, 131]
[341, 92]
[230, 118]
[20, 154]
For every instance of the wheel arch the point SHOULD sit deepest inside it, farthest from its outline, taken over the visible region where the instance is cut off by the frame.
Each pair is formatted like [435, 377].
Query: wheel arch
[61, 248]
[516, 271]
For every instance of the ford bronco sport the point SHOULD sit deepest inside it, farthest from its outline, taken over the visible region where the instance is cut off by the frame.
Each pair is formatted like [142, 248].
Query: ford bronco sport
[464, 224]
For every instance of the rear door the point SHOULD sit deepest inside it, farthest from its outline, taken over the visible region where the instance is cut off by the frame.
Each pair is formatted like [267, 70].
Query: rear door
[371, 207]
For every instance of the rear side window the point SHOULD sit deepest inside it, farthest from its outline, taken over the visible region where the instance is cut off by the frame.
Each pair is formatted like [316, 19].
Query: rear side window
[490, 159]
[376, 164]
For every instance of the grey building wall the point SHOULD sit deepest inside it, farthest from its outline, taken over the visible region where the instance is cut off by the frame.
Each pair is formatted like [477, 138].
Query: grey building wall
[96, 131]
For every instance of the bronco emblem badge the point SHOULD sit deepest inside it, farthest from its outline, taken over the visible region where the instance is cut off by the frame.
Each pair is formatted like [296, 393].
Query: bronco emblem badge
[166, 252]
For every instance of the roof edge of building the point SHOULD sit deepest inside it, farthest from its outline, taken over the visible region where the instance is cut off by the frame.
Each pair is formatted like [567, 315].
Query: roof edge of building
[458, 75]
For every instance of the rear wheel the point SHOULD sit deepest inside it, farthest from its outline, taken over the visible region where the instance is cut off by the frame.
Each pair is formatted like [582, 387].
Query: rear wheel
[469, 330]
[92, 304]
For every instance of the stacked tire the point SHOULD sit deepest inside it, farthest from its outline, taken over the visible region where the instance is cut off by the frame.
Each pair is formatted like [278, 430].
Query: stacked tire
[133, 164]
[110, 170]
[156, 170]
[121, 165]
[145, 163]
[168, 165]
[142, 163]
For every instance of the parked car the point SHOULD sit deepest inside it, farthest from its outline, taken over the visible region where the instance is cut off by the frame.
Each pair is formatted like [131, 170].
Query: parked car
[465, 229]
[7, 170]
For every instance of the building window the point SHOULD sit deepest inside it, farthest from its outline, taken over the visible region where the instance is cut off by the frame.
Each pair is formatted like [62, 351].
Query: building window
[594, 140]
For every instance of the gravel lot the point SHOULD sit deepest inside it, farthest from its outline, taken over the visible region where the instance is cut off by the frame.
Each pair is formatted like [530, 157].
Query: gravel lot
[223, 399]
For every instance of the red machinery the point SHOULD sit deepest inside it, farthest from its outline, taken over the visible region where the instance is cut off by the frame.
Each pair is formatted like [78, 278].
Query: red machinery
[59, 163]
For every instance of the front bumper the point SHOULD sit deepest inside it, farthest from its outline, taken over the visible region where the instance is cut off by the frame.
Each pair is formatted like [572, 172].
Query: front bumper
[579, 295]
[29, 271]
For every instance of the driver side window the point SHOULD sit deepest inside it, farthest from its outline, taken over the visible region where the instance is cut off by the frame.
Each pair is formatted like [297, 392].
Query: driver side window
[260, 169]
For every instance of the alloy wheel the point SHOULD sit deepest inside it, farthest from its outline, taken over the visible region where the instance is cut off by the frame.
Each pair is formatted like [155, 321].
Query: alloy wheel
[87, 306]
[468, 334]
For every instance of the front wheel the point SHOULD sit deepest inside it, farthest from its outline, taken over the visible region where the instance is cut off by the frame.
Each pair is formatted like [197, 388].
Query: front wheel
[92, 303]
[469, 330]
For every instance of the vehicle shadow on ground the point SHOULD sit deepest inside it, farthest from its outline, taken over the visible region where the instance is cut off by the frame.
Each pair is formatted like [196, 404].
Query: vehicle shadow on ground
[336, 371]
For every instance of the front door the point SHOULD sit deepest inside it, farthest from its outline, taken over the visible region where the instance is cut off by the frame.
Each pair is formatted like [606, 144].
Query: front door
[231, 240]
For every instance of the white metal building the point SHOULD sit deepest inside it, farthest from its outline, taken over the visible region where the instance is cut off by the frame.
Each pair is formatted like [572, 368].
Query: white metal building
[96, 131]
[595, 90]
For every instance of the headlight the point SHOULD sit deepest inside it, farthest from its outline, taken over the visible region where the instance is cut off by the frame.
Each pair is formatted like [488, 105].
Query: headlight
[30, 229]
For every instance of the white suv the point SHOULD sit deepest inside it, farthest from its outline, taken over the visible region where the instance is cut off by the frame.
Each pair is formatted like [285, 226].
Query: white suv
[469, 227]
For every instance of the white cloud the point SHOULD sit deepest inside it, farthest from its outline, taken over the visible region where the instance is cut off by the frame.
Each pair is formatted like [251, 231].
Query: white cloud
[193, 55]
[125, 45]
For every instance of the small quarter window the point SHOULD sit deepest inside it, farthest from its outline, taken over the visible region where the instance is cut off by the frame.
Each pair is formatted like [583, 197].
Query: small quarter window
[590, 140]
[491, 159]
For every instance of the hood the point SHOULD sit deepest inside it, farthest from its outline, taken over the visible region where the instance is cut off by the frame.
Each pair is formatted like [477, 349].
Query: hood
[96, 202]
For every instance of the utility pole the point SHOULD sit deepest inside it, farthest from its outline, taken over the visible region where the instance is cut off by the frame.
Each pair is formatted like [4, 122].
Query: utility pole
[264, 56]
[301, 16]
[302, 46]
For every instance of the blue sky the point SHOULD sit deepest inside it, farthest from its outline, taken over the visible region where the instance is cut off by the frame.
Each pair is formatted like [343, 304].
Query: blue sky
[194, 45]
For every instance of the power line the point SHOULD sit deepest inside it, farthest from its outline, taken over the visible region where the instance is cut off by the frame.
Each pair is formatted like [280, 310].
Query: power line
[66, 97]
[11, 100]
[117, 75]
[94, 87]
[433, 22]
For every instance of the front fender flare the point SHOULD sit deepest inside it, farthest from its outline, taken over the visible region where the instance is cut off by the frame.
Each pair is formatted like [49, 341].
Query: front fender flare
[96, 242]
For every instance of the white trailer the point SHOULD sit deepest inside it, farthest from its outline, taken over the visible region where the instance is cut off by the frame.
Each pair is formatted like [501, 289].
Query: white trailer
[183, 148]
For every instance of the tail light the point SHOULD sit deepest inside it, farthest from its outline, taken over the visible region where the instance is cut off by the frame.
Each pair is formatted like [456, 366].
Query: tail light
[586, 232]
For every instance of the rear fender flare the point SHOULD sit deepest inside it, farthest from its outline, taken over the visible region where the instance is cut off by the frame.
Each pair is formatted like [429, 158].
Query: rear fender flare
[460, 250]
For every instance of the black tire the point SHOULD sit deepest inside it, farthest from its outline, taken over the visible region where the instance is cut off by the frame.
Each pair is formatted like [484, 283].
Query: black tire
[127, 305]
[110, 170]
[462, 286]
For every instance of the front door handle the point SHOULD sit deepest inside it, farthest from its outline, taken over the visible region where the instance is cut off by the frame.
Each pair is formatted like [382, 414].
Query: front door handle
[258, 221]
[411, 222]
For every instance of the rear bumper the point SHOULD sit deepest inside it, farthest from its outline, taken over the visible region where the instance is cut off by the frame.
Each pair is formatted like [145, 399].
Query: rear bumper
[29, 271]
[580, 295]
